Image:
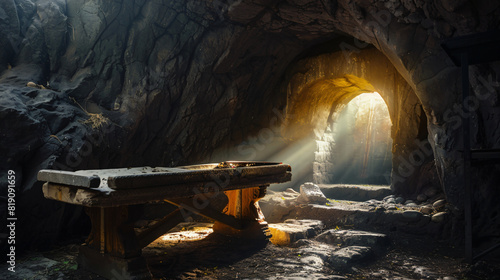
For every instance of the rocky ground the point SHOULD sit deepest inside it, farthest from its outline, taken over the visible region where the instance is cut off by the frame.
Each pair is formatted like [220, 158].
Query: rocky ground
[194, 253]
[374, 239]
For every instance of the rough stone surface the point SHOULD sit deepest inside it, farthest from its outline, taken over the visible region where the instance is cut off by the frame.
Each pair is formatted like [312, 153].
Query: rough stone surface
[423, 272]
[439, 217]
[439, 204]
[184, 81]
[276, 206]
[409, 202]
[365, 217]
[311, 193]
[421, 197]
[430, 192]
[307, 275]
[400, 200]
[426, 210]
[412, 215]
[292, 230]
[354, 192]
[352, 238]
[311, 247]
[343, 258]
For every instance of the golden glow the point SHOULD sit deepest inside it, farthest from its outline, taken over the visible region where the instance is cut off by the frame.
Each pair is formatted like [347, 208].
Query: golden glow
[193, 234]
[360, 142]
[309, 110]
[370, 101]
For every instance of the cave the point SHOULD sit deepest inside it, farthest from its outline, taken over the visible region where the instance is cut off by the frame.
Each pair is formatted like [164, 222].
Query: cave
[386, 111]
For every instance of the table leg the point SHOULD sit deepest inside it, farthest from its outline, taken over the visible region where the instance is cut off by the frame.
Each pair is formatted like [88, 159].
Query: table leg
[243, 205]
[112, 248]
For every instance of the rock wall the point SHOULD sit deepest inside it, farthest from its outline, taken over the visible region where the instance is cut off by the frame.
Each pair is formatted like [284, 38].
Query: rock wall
[151, 82]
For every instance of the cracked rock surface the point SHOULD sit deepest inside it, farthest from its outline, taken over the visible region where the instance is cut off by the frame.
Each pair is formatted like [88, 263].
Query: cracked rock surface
[181, 82]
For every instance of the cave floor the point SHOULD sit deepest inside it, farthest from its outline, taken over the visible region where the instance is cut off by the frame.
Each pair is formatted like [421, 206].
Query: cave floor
[201, 254]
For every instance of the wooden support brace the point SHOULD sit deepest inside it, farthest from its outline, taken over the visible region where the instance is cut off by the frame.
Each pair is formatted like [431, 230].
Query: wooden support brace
[243, 205]
[207, 211]
[161, 227]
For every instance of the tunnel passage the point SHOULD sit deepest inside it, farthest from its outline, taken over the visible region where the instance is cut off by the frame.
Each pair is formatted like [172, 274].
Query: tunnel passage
[318, 88]
[356, 147]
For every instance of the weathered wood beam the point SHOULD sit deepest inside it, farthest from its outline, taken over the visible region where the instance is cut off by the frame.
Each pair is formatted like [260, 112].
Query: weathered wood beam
[207, 212]
[161, 227]
[86, 180]
[96, 198]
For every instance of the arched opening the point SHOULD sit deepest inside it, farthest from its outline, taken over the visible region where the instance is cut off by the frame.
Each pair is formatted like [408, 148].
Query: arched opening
[320, 86]
[315, 90]
[356, 147]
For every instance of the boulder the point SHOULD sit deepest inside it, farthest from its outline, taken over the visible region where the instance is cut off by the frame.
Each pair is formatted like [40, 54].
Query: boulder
[412, 215]
[439, 204]
[421, 197]
[277, 205]
[439, 217]
[311, 193]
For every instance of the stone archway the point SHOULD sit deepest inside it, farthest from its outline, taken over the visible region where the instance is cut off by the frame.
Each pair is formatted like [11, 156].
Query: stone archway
[356, 147]
[319, 86]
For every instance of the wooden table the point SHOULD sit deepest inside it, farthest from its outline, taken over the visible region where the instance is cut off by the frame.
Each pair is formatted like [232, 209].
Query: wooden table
[113, 248]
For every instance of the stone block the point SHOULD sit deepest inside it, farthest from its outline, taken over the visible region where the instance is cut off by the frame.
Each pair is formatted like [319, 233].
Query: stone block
[352, 238]
[311, 193]
[291, 230]
[343, 258]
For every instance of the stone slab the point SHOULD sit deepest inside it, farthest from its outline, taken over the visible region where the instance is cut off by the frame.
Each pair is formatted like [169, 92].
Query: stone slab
[311, 193]
[284, 234]
[352, 238]
[343, 258]
[355, 192]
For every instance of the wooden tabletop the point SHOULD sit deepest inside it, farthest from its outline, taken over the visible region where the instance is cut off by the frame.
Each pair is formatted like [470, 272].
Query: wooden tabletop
[126, 186]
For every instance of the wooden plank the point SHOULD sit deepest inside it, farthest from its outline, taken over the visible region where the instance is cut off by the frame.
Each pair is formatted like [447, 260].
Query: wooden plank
[70, 194]
[113, 227]
[83, 179]
[207, 212]
[95, 198]
[181, 176]
[161, 227]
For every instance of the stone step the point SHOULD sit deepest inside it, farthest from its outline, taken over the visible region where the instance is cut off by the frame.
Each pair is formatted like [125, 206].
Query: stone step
[353, 238]
[390, 213]
[341, 249]
[355, 192]
[291, 230]
[357, 215]
[344, 258]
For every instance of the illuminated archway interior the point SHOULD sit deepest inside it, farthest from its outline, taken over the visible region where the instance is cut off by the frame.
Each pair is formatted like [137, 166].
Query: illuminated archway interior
[356, 146]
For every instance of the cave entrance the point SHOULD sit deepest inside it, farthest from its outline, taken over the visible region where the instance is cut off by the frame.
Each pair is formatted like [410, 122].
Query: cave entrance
[310, 106]
[356, 147]
[319, 88]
